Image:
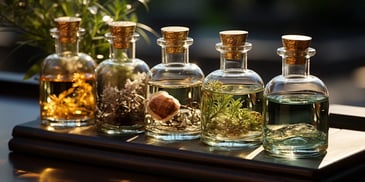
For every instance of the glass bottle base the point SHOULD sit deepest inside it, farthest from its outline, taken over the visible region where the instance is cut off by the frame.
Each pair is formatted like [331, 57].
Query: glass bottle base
[295, 151]
[174, 136]
[298, 140]
[120, 130]
[234, 143]
[67, 123]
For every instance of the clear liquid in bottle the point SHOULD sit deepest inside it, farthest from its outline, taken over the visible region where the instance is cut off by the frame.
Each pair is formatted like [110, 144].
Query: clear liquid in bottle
[297, 105]
[174, 90]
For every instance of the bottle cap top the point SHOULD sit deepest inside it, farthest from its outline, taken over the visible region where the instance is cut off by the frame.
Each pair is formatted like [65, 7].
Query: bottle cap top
[296, 42]
[68, 28]
[175, 37]
[233, 37]
[175, 33]
[122, 32]
[233, 40]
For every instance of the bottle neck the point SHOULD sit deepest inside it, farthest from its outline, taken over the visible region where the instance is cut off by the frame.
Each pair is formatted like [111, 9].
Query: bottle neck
[289, 70]
[67, 44]
[67, 48]
[296, 63]
[122, 54]
[175, 52]
[168, 57]
[122, 48]
[233, 58]
[239, 63]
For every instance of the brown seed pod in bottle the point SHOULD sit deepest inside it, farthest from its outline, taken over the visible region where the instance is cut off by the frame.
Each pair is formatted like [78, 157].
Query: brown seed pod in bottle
[162, 106]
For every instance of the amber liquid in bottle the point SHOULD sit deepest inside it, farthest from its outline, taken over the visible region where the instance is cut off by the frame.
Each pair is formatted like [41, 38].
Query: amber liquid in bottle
[67, 101]
[67, 80]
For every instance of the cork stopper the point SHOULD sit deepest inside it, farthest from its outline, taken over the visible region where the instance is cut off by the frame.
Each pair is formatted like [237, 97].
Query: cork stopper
[233, 40]
[297, 44]
[122, 32]
[175, 37]
[68, 29]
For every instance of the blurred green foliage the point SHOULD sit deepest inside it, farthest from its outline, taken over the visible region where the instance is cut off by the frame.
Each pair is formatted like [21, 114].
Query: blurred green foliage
[34, 19]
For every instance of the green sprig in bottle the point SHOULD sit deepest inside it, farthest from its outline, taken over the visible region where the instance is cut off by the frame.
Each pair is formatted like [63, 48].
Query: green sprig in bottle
[232, 97]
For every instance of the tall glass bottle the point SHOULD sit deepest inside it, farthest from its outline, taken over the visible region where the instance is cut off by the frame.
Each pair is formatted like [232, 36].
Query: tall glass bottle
[173, 109]
[121, 83]
[296, 116]
[232, 97]
[67, 79]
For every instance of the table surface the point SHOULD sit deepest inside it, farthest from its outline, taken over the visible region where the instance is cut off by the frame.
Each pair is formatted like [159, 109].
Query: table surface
[22, 167]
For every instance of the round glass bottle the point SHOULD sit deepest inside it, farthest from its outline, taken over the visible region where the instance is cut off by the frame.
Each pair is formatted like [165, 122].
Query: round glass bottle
[297, 106]
[232, 97]
[67, 79]
[121, 83]
[173, 109]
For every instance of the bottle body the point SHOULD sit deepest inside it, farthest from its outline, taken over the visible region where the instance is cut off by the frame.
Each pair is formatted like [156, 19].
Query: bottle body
[173, 109]
[232, 101]
[121, 84]
[296, 122]
[296, 111]
[185, 124]
[67, 85]
[121, 94]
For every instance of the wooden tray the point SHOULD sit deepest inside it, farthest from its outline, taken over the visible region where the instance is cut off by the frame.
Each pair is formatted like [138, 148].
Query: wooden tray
[191, 160]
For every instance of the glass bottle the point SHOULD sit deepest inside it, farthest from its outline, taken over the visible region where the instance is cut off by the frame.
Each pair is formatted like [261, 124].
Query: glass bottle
[296, 111]
[173, 109]
[121, 83]
[67, 79]
[232, 97]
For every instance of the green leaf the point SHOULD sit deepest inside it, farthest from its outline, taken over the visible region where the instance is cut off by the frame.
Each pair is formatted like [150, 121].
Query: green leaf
[34, 18]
